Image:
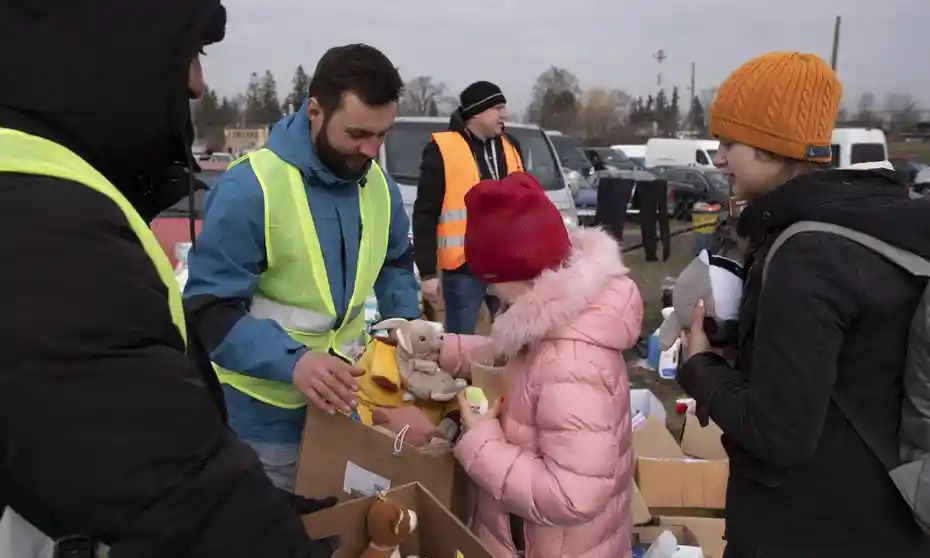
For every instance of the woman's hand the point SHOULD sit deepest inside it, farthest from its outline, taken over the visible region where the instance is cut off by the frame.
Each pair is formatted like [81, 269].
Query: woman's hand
[471, 419]
[695, 339]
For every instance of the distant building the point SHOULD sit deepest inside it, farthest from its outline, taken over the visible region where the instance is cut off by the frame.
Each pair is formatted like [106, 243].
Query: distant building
[244, 140]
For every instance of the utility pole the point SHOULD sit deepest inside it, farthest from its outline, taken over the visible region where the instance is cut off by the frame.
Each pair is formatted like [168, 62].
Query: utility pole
[836, 43]
[660, 57]
[691, 110]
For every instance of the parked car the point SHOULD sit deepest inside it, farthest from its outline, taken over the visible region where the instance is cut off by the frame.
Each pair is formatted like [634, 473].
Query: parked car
[907, 168]
[607, 159]
[666, 152]
[696, 184]
[586, 200]
[576, 167]
[402, 153]
[636, 153]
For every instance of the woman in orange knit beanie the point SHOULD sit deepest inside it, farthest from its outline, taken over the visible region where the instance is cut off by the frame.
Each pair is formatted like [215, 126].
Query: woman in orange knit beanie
[828, 329]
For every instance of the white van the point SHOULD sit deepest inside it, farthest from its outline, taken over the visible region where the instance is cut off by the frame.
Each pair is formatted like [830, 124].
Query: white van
[853, 146]
[662, 152]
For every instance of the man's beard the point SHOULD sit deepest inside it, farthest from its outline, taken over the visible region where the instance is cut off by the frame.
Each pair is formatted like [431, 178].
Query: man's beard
[339, 163]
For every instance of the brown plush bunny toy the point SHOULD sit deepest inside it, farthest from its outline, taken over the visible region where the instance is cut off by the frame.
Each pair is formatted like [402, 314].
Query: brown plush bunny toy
[389, 525]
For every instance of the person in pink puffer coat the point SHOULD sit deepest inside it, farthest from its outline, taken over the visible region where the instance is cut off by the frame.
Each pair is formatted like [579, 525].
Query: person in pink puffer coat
[552, 462]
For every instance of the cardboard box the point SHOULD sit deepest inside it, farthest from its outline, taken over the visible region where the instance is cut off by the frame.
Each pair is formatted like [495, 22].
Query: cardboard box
[702, 441]
[708, 531]
[438, 533]
[646, 403]
[669, 479]
[344, 458]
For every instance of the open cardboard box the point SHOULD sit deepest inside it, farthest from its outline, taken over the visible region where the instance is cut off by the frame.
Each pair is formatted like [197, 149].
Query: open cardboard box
[439, 534]
[671, 480]
[344, 458]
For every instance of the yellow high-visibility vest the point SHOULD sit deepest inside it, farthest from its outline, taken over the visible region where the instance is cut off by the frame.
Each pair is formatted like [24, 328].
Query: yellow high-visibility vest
[27, 154]
[294, 290]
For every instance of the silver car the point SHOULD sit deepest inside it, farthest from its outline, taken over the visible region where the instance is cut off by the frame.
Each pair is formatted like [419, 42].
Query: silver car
[402, 153]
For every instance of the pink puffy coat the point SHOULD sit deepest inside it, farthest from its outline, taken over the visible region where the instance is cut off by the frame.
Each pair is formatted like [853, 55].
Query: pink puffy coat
[560, 455]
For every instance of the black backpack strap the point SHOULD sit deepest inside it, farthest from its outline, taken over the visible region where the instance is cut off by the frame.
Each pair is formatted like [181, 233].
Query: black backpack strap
[911, 262]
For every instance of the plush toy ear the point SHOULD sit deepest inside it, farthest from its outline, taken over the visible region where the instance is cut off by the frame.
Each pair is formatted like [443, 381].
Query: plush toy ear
[392, 323]
[403, 339]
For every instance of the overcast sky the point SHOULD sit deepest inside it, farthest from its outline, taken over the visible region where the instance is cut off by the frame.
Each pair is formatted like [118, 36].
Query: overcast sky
[885, 44]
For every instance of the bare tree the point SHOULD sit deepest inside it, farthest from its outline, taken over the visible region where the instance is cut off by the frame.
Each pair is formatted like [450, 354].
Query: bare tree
[554, 88]
[424, 97]
[903, 113]
[866, 107]
[602, 113]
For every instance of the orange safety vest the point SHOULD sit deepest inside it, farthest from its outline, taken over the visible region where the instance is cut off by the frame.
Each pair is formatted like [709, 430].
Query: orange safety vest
[461, 174]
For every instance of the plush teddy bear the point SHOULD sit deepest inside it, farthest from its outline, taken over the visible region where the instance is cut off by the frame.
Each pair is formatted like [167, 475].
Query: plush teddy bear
[717, 281]
[417, 356]
[389, 525]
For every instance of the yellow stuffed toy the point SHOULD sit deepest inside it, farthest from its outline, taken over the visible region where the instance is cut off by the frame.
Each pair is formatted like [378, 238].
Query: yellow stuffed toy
[381, 384]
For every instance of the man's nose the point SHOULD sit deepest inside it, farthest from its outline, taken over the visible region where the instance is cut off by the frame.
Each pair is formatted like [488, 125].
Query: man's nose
[369, 147]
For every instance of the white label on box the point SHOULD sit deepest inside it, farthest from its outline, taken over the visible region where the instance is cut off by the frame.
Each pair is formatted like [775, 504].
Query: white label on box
[361, 480]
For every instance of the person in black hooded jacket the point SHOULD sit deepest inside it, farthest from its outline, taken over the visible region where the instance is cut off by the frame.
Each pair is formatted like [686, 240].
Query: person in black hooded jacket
[831, 320]
[108, 430]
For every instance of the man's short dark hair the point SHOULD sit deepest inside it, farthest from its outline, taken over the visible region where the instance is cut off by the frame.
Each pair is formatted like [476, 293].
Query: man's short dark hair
[361, 69]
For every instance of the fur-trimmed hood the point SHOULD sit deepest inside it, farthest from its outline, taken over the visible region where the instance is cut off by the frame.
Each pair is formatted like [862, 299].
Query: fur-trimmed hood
[589, 298]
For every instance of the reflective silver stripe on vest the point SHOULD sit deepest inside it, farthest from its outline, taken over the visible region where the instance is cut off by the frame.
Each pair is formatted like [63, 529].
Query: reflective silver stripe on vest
[291, 317]
[354, 349]
[453, 215]
[451, 241]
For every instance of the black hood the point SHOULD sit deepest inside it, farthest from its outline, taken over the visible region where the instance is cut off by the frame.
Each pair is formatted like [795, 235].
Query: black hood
[456, 122]
[873, 202]
[108, 79]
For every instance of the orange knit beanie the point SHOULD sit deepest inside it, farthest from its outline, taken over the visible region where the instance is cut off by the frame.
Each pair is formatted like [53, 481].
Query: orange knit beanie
[782, 102]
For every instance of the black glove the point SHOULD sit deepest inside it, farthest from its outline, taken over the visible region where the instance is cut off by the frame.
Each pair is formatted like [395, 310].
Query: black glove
[700, 377]
[305, 506]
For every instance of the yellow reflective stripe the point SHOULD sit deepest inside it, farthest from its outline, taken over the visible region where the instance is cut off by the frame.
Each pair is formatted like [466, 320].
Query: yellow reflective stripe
[290, 317]
[453, 215]
[278, 394]
[27, 154]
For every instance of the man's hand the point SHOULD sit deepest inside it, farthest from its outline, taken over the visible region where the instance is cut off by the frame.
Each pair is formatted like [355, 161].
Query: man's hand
[431, 290]
[326, 381]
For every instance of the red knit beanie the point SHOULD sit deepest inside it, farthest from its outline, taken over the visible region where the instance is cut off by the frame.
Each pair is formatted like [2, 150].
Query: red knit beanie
[514, 232]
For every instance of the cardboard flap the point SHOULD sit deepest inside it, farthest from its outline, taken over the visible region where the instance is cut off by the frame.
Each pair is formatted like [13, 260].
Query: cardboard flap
[438, 532]
[654, 440]
[709, 532]
[702, 442]
[649, 534]
[683, 483]
[641, 513]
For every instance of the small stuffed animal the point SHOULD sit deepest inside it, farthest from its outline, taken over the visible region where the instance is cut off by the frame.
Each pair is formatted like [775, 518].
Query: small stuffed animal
[418, 346]
[717, 281]
[389, 525]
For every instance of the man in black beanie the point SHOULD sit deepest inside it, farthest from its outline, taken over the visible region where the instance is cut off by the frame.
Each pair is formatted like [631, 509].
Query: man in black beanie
[475, 148]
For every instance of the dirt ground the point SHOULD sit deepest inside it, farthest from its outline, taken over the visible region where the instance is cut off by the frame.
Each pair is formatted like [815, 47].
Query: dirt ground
[649, 277]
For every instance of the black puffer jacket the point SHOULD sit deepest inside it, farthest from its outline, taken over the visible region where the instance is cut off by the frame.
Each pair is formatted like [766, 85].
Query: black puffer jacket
[832, 317]
[107, 427]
